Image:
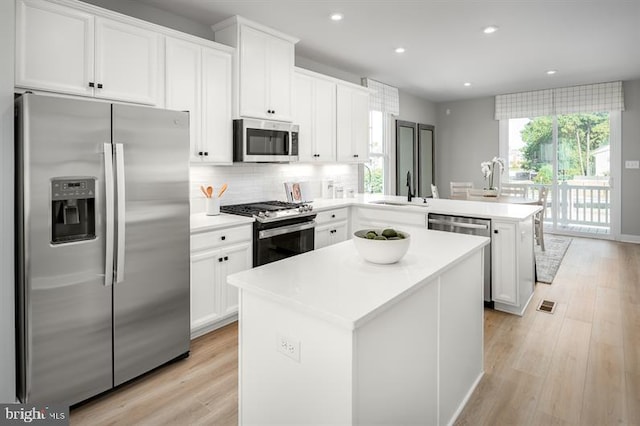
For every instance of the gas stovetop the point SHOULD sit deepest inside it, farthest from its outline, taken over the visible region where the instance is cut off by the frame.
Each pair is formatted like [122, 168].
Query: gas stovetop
[270, 211]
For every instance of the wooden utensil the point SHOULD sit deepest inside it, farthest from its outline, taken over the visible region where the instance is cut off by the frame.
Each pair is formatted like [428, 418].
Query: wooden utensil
[204, 191]
[224, 188]
[209, 191]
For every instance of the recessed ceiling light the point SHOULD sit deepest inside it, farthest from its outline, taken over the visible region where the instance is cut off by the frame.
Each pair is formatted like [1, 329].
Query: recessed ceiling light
[400, 50]
[551, 72]
[336, 17]
[490, 29]
[467, 84]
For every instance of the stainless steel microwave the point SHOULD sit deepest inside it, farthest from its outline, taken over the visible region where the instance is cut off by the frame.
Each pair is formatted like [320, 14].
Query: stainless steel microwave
[263, 141]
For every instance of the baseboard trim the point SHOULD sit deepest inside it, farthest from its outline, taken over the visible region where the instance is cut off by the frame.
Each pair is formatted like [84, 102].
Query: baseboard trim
[627, 238]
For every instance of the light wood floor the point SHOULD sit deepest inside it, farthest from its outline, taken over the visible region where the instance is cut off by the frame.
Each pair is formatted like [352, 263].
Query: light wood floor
[579, 366]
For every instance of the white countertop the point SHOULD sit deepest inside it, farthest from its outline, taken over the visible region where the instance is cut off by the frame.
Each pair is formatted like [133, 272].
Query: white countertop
[200, 222]
[489, 210]
[337, 285]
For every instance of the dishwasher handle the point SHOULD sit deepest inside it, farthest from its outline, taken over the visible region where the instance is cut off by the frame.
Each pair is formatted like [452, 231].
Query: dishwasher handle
[459, 224]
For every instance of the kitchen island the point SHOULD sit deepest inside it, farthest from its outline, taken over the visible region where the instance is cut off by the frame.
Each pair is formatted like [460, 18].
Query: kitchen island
[328, 338]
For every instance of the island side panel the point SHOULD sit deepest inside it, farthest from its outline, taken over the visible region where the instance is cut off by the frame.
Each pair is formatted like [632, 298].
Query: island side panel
[276, 389]
[461, 335]
[396, 362]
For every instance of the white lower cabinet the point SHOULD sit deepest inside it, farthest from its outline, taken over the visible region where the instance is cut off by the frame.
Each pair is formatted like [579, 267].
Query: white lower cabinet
[363, 217]
[214, 256]
[512, 265]
[332, 226]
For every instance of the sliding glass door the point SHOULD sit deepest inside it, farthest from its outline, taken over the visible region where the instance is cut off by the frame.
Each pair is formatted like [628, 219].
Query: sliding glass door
[571, 155]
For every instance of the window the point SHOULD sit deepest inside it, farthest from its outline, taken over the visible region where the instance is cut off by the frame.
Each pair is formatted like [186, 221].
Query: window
[384, 103]
[375, 168]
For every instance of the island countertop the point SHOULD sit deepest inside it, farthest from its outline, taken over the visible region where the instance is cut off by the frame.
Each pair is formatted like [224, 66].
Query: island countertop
[337, 285]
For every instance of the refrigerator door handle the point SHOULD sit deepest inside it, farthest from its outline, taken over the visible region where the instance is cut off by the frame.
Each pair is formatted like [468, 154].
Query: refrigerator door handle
[121, 212]
[109, 221]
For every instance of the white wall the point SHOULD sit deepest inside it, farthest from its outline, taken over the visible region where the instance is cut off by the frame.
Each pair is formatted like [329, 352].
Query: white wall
[157, 16]
[466, 135]
[7, 323]
[631, 151]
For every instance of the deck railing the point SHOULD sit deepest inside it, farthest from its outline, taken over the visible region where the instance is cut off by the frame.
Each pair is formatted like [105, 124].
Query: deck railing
[588, 205]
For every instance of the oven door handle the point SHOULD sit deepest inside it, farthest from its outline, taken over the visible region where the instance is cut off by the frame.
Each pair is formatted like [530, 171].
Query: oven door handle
[268, 233]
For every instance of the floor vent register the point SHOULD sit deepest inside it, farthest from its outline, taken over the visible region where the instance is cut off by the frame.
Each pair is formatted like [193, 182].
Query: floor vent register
[547, 306]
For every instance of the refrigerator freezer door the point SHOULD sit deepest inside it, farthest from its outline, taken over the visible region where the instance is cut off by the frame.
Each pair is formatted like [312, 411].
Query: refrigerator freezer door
[64, 306]
[151, 303]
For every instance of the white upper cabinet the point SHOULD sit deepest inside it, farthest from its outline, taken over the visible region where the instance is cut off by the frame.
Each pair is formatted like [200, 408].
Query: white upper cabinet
[68, 50]
[314, 110]
[54, 48]
[264, 69]
[198, 80]
[217, 125]
[126, 62]
[352, 124]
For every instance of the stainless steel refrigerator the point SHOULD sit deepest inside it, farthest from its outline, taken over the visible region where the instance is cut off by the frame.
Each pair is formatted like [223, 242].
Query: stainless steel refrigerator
[103, 244]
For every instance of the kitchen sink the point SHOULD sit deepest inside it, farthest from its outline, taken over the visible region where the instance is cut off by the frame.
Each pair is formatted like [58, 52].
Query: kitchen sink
[399, 203]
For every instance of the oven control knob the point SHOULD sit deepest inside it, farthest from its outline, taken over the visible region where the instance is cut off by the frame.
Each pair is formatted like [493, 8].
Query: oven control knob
[261, 214]
[309, 207]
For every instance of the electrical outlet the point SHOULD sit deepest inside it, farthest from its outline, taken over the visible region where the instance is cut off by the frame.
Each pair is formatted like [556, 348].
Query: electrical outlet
[632, 164]
[289, 347]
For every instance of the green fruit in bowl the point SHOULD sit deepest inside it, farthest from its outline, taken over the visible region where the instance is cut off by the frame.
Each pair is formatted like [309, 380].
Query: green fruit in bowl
[389, 233]
[368, 245]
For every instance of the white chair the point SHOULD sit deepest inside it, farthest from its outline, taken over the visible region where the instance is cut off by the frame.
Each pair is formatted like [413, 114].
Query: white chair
[459, 190]
[539, 217]
[434, 191]
[513, 191]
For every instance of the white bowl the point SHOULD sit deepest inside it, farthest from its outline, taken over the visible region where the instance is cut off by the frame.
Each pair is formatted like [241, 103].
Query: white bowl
[381, 251]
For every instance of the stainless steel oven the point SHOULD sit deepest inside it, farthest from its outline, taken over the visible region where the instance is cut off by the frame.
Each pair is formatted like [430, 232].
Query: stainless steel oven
[262, 141]
[285, 238]
[280, 229]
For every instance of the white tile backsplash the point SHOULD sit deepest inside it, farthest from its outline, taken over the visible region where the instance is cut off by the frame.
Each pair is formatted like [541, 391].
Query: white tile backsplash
[249, 182]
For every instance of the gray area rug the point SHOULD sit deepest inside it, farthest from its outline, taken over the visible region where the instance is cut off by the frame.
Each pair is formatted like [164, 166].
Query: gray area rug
[548, 261]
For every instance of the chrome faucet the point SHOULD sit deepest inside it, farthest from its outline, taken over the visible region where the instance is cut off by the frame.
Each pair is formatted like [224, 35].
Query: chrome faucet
[409, 194]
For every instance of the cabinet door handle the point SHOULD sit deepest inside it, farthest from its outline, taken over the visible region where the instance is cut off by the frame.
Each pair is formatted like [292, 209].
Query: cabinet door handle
[333, 216]
[99, 85]
[92, 84]
[206, 153]
[219, 259]
[226, 258]
[223, 238]
[495, 231]
[200, 153]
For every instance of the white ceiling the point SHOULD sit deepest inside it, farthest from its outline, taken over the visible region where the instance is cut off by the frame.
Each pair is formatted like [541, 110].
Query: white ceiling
[586, 41]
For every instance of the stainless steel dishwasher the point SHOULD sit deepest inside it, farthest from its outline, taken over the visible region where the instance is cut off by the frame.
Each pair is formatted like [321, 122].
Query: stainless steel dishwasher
[470, 226]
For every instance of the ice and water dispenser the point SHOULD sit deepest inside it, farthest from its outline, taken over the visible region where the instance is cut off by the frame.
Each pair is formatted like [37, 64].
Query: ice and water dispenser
[73, 216]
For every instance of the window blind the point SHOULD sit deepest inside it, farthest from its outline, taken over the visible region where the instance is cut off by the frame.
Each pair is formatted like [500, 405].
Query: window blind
[525, 104]
[385, 98]
[566, 100]
[589, 98]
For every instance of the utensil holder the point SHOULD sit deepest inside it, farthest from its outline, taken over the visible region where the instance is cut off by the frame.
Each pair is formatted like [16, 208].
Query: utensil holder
[212, 206]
